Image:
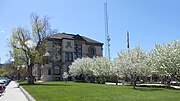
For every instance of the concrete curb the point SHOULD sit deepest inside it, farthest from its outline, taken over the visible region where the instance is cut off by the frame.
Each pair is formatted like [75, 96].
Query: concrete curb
[28, 96]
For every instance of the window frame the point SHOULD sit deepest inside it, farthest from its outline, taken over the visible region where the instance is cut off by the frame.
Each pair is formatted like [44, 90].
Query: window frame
[69, 56]
[77, 51]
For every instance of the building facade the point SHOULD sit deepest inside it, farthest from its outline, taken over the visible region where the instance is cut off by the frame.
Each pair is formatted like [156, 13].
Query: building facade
[61, 50]
[1, 65]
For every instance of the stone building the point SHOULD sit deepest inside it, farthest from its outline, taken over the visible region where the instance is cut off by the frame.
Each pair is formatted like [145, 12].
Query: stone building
[0, 63]
[61, 50]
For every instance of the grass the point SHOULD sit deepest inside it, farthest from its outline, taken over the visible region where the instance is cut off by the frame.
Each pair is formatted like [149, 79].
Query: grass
[71, 91]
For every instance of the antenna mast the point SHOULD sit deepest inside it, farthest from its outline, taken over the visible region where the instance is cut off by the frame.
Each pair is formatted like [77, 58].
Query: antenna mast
[128, 40]
[107, 37]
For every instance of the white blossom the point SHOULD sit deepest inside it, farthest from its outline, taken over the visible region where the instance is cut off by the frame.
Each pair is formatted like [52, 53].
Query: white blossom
[165, 58]
[130, 62]
[91, 66]
[65, 75]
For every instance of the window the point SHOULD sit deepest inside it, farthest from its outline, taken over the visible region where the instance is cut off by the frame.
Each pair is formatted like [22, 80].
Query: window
[79, 46]
[56, 70]
[47, 60]
[59, 56]
[77, 51]
[68, 56]
[68, 45]
[49, 72]
[56, 44]
[91, 52]
[75, 56]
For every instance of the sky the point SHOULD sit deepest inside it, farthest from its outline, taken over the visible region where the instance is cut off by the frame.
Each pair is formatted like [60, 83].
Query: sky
[147, 21]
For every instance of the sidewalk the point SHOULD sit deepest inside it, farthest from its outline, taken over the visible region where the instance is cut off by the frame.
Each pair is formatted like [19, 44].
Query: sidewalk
[13, 93]
[176, 87]
[156, 85]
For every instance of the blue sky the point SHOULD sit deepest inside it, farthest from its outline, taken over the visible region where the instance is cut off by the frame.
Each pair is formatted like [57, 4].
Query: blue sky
[148, 21]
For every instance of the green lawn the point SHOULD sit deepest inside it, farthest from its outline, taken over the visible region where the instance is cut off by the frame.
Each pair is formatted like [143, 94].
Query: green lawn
[59, 91]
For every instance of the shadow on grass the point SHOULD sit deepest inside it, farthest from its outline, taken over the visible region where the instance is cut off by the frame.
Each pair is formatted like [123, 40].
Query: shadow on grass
[44, 84]
[148, 89]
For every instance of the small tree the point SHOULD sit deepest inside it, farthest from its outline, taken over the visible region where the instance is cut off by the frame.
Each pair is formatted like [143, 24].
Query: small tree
[82, 67]
[165, 59]
[132, 63]
[102, 68]
[8, 70]
[65, 76]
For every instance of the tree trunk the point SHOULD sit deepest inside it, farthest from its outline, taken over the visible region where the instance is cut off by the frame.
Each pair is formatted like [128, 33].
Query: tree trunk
[134, 82]
[30, 76]
[116, 77]
[162, 79]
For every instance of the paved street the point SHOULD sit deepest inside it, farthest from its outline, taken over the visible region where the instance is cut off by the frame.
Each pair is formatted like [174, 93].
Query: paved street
[13, 93]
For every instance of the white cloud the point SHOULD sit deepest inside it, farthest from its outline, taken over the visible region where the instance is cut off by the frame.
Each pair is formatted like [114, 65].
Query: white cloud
[2, 31]
[7, 36]
[30, 44]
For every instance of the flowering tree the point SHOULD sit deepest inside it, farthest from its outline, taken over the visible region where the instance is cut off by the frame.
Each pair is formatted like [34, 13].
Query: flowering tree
[165, 59]
[131, 63]
[102, 68]
[80, 66]
[88, 67]
[65, 76]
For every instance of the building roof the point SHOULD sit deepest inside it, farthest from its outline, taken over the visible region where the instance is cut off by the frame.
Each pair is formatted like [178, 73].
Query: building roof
[74, 37]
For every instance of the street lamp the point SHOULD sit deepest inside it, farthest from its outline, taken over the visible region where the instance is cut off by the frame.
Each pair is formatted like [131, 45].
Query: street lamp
[18, 72]
[46, 56]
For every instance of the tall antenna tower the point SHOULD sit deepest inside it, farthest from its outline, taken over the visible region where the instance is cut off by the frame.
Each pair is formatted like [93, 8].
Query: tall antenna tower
[128, 45]
[107, 37]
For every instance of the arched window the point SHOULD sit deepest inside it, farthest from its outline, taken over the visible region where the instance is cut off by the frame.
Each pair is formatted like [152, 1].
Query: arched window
[56, 70]
[91, 52]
